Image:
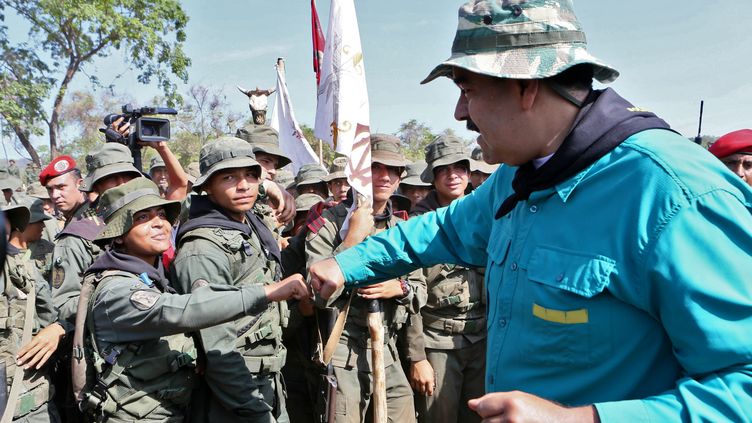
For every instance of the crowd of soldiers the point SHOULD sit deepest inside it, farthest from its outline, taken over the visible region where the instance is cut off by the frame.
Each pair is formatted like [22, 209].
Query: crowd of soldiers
[176, 323]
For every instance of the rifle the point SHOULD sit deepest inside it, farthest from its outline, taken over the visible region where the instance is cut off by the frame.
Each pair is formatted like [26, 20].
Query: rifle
[326, 404]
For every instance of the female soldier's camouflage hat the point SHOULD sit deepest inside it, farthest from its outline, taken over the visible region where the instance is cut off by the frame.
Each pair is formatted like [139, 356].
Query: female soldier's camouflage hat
[118, 205]
[520, 39]
[224, 153]
[444, 150]
[18, 215]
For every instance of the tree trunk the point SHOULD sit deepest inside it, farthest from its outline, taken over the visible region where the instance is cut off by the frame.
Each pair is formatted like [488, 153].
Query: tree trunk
[54, 123]
[24, 138]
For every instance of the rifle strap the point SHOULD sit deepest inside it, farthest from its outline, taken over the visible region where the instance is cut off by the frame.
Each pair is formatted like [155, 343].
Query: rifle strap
[18, 376]
[339, 326]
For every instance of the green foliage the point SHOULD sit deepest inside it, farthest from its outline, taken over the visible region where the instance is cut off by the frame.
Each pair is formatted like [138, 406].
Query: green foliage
[326, 151]
[71, 34]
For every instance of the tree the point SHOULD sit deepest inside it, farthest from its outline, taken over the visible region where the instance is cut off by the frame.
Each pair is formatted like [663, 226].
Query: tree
[72, 34]
[415, 136]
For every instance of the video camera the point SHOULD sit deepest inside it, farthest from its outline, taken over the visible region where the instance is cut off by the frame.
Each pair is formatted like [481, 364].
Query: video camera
[144, 128]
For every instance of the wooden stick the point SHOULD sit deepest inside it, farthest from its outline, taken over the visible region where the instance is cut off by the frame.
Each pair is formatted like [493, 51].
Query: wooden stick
[376, 329]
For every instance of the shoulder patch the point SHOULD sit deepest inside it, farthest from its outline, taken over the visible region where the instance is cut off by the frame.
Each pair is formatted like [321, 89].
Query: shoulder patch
[144, 299]
[315, 225]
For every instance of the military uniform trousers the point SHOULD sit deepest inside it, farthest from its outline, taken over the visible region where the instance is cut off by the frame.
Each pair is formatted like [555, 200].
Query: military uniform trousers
[269, 390]
[459, 378]
[355, 388]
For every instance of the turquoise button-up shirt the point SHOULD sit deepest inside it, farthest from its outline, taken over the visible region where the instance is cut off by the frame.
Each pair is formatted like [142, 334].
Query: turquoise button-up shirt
[627, 286]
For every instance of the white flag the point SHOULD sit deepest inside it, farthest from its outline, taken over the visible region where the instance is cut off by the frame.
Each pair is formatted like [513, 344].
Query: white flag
[342, 116]
[291, 139]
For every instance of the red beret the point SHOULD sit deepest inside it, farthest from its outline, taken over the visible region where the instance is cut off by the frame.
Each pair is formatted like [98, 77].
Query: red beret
[734, 142]
[60, 166]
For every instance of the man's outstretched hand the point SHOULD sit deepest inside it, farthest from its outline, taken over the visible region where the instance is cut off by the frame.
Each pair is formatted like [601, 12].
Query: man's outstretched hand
[326, 277]
[523, 407]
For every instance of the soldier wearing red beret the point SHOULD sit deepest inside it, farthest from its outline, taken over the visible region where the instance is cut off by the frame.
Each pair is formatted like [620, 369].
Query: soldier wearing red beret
[62, 179]
[735, 151]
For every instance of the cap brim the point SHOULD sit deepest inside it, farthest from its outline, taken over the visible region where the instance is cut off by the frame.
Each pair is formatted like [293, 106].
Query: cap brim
[119, 223]
[415, 181]
[481, 166]
[336, 175]
[233, 163]
[282, 159]
[427, 174]
[515, 63]
[18, 215]
[88, 183]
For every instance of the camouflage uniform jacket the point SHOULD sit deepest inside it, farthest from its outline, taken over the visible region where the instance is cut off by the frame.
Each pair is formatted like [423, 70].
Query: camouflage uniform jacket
[455, 314]
[323, 241]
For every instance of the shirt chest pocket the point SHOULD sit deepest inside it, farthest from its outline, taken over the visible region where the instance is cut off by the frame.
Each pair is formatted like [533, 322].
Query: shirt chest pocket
[565, 308]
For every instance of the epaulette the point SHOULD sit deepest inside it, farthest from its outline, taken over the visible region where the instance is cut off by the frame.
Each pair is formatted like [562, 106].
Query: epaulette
[316, 225]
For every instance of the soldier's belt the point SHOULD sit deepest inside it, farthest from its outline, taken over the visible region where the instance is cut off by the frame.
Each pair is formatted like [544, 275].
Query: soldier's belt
[454, 327]
[266, 364]
[454, 300]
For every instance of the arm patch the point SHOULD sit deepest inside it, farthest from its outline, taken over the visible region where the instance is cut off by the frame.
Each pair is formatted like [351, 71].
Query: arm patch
[144, 299]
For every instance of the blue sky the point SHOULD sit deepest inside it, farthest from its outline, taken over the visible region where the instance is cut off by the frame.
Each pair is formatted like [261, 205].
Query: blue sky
[670, 55]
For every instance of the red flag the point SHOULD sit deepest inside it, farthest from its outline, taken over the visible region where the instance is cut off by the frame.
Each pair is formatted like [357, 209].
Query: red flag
[318, 41]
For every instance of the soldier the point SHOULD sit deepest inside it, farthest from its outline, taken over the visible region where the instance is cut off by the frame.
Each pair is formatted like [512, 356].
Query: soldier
[62, 179]
[352, 357]
[158, 174]
[40, 248]
[412, 186]
[447, 340]
[479, 169]
[310, 179]
[734, 150]
[30, 174]
[13, 169]
[9, 186]
[225, 242]
[336, 180]
[53, 226]
[26, 307]
[265, 141]
[138, 322]
[109, 166]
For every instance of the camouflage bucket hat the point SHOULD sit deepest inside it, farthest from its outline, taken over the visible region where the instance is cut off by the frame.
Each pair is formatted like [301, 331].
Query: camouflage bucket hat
[385, 149]
[108, 160]
[36, 190]
[477, 164]
[520, 39]
[10, 182]
[309, 174]
[118, 205]
[18, 215]
[444, 150]
[224, 153]
[337, 169]
[37, 212]
[304, 202]
[284, 177]
[156, 162]
[413, 172]
[264, 140]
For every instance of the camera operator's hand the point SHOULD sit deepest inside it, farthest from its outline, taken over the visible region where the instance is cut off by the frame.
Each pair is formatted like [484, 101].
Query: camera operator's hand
[123, 128]
[177, 179]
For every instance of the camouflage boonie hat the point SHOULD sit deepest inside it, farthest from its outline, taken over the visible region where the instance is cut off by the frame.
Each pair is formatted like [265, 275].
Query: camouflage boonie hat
[520, 39]
[337, 169]
[444, 150]
[304, 202]
[118, 205]
[18, 215]
[413, 172]
[284, 178]
[36, 190]
[10, 182]
[385, 149]
[108, 160]
[311, 173]
[264, 140]
[477, 164]
[224, 153]
[193, 172]
[156, 162]
[37, 212]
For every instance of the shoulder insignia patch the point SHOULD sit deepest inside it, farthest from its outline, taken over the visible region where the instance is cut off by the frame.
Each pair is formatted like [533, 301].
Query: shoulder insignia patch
[144, 299]
[314, 226]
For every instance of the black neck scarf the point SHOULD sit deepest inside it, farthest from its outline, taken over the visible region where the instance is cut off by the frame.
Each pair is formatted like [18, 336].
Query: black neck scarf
[116, 260]
[605, 121]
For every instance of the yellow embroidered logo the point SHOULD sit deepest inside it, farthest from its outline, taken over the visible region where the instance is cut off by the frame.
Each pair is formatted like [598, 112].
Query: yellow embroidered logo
[637, 109]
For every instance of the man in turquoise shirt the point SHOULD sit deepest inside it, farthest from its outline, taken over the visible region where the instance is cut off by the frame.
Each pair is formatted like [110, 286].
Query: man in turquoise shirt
[617, 252]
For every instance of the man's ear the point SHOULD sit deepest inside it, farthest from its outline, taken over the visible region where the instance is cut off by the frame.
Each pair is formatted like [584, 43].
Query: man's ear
[528, 92]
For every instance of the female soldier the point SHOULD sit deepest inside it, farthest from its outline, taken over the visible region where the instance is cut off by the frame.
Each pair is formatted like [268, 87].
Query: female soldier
[144, 361]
